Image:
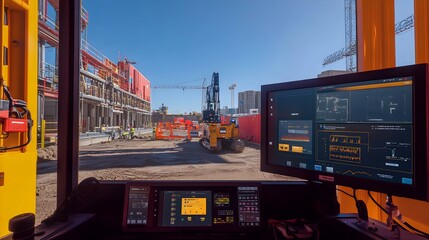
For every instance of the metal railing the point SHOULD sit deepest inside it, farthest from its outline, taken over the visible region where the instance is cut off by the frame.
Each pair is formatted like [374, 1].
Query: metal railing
[48, 71]
[84, 14]
[92, 50]
[49, 21]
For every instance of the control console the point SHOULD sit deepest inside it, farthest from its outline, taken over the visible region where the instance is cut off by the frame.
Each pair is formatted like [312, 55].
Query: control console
[186, 209]
[149, 207]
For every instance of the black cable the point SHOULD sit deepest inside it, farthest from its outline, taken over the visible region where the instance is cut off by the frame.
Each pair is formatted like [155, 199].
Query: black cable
[376, 203]
[346, 193]
[398, 222]
[416, 230]
[354, 194]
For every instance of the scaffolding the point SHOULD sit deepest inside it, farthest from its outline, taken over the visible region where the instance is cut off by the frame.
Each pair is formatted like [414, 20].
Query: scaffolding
[106, 97]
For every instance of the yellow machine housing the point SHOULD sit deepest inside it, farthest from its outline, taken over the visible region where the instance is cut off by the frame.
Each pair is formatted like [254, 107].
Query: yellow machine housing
[19, 72]
[217, 136]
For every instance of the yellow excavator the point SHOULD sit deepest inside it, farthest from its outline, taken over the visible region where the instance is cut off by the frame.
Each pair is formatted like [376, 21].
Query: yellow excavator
[217, 135]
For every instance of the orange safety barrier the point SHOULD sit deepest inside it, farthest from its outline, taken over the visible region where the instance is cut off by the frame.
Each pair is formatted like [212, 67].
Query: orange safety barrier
[168, 131]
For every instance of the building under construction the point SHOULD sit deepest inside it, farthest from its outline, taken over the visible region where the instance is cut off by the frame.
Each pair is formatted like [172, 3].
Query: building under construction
[111, 94]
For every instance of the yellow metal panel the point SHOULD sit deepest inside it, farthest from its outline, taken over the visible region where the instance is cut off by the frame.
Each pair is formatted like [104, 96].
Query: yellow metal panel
[236, 133]
[213, 134]
[421, 26]
[5, 44]
[18, 194]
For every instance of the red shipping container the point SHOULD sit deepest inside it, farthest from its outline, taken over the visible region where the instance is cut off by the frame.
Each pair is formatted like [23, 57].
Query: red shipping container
[250, 128]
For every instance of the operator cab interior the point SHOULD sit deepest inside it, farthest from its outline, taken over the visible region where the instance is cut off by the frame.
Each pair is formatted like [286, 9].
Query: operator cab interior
[329, 142]
[325, 131]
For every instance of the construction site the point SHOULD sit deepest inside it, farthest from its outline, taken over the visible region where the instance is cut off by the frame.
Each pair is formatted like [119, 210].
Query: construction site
[118, 131]
[91, 148]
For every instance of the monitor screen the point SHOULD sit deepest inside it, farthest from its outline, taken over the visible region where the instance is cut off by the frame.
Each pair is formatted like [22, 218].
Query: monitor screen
[364, 130]
[186, 209]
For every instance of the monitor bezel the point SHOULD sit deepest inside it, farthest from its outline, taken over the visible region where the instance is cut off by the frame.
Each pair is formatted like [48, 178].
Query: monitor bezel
[420, 189]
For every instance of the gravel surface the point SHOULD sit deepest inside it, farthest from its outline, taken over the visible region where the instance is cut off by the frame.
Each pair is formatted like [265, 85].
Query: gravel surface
[149, 160]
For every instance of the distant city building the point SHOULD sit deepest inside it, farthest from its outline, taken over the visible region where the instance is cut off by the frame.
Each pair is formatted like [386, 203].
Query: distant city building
[332, 73]
[228, 111]
[249, 100]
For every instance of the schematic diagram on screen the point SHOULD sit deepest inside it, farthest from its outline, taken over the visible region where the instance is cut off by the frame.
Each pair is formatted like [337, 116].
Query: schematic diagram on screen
[371, 146]
[338, 145]
[373, 102]
[333, 106]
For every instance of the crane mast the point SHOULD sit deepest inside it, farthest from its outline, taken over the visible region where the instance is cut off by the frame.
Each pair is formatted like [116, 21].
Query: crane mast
[231, 88]
[212, 112]
[349, 51]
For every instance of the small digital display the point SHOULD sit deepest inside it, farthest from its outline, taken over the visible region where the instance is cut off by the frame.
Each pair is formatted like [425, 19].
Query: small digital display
[221, 200]
[194, 206]
[186, 209]
[138, 201]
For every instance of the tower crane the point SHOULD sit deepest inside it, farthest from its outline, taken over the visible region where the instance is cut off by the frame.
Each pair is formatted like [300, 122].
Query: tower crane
[184, 87]
[349, 51]
[231, 88]
[179, 87]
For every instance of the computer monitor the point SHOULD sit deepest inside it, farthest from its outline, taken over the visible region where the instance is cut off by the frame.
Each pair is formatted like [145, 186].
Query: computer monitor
[365, 130]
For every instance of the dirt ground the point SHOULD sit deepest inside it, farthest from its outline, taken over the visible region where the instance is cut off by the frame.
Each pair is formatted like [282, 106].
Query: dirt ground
[149, 160]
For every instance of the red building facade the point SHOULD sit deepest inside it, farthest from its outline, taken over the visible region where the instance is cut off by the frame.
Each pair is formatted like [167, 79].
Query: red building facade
[134, 81]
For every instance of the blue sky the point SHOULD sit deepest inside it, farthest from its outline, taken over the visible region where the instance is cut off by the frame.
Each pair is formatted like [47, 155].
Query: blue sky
[249, 42]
